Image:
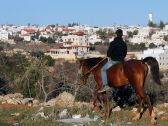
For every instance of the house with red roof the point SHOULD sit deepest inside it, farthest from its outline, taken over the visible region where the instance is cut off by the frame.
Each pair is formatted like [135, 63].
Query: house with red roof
[28, 33]
[74, 45]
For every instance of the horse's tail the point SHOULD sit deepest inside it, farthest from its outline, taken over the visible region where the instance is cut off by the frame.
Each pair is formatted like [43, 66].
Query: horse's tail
[154, 68]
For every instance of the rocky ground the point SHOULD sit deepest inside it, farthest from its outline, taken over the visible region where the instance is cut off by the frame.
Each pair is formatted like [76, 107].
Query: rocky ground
[17, 110]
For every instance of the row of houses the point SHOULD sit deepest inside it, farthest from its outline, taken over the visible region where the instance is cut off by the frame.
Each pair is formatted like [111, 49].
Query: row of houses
[26, 32]
[145, 34]
[155, 36]
[75, 41]
[160, 53]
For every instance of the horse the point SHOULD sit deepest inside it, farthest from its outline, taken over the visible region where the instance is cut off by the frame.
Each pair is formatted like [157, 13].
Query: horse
[132, 72]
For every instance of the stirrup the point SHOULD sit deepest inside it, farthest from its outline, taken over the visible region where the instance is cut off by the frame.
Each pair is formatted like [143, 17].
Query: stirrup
[105, 88]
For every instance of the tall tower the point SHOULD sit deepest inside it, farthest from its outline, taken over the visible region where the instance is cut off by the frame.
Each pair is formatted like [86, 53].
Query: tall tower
[150, 18]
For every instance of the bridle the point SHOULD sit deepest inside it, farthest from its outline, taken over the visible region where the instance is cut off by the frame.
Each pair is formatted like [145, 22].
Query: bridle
[90, 70]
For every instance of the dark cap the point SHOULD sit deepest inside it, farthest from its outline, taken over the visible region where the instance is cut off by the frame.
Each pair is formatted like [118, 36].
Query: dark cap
[119, 32]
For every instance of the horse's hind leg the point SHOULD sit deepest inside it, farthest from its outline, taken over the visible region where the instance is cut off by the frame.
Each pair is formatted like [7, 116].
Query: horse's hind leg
[151, 111]
[138, 113]
[146, 99]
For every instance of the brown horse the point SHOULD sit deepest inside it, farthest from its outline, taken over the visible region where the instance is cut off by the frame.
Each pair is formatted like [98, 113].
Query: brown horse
[132, 72]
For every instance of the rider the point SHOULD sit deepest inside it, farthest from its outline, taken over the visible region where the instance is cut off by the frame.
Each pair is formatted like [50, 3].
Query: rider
[115, 53]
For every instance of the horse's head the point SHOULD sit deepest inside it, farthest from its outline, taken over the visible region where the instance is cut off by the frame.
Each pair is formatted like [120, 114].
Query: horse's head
[87, 66]
[83, 71]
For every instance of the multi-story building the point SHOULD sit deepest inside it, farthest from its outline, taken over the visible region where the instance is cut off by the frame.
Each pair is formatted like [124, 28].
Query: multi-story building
[4, 35]
[74, 45]
[161, 55]
[139, 39]
[94, 38]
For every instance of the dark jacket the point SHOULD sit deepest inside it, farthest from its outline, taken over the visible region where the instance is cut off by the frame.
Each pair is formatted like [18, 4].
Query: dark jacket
[117, 49]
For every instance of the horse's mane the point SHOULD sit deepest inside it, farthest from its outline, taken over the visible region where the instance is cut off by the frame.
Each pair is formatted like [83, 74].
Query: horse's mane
[93, 61]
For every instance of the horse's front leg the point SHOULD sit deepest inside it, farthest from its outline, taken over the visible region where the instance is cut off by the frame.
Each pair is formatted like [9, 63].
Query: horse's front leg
[95, 101]
[105, 105]
[138, 113]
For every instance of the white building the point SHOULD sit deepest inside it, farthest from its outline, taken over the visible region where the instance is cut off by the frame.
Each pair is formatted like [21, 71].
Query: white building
[144, 31]
[161, 55]
[26, 37]
[73, 46]
[139, 39]
[79, 38]
[27, 34]
[94, 38]
[166, 27]
[4, 35]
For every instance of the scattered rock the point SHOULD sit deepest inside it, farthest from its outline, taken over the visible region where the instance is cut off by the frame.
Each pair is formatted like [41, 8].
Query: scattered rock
[6, 97]
[129, 123]
[51, 102]
[63, 113]
[64, 99]
[12, 101]
[35, 103]
[134, 110]
[156, 110]
[41, 114]
[83, 104]
[15, 114]
[76, 116]
[15, 95]
[165, 105]
[41, 109]
[15, 124]
[165, 117]
[1, 98]
[3, 102]
[25, 101]
[116, 109]
[161, 113]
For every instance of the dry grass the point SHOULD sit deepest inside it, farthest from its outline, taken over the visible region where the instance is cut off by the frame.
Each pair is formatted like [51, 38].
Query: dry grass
[121, 118]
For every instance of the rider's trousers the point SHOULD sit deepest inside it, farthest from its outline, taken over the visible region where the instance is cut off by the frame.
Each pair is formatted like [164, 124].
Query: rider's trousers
[104, 71]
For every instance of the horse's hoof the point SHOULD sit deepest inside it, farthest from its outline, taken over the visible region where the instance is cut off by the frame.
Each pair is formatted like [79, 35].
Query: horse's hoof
[153, 118]
[154, 121]
[136, 117]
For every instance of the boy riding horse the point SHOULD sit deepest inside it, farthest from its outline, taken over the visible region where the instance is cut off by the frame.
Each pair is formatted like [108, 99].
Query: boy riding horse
[115, 53]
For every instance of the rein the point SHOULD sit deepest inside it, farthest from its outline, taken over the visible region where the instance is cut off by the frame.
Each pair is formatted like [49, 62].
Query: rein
[94, 66]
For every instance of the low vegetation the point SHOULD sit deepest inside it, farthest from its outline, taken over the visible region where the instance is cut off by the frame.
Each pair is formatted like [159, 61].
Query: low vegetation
[29, 116]
[43, 78]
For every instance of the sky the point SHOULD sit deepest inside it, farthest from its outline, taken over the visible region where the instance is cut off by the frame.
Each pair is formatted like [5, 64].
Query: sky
[85, 12]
